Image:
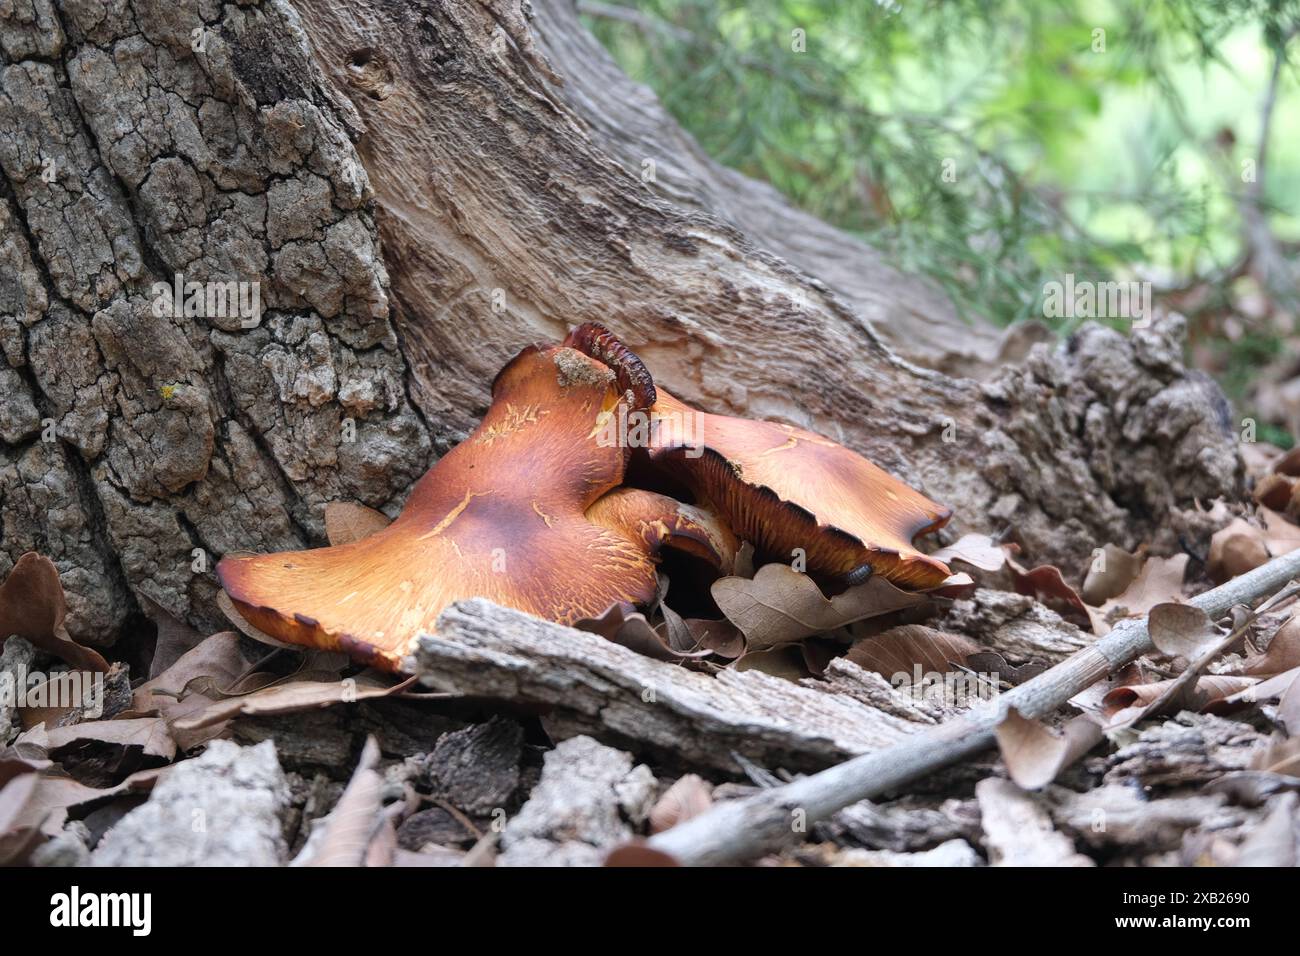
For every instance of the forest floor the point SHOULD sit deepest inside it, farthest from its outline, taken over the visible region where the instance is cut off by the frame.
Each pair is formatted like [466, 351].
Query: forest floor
[528, 743]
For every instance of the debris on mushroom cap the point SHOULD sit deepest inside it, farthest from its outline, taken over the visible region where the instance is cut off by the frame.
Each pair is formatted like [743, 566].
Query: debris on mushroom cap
[525, 512]
[783, 488]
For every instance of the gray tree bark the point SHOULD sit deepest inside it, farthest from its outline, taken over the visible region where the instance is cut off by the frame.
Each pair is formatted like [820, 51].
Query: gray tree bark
[420, 189]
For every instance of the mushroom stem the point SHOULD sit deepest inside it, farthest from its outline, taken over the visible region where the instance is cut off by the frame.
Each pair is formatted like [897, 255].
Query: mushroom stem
[660, 521]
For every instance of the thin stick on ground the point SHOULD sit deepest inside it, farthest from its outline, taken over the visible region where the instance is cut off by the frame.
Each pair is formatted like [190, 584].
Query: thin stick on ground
[741, 829]
[1179, 684]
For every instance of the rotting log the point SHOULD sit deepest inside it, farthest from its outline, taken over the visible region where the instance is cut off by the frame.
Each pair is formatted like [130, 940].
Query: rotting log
[588, 685]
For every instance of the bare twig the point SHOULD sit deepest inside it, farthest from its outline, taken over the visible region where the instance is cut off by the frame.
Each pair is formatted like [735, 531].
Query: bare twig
[1208, 656]
[740, 829]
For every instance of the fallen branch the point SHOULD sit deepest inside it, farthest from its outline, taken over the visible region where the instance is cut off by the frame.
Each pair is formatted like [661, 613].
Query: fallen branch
[741, 829]
[589, 685]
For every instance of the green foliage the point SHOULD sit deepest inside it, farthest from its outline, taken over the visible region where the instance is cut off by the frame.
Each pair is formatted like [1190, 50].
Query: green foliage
[1107, 154]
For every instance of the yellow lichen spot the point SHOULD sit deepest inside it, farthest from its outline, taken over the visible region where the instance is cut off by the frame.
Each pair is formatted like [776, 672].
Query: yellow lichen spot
[168, 391]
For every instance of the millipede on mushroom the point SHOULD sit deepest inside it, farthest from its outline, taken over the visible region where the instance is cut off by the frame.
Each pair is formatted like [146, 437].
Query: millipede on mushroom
[539, 511]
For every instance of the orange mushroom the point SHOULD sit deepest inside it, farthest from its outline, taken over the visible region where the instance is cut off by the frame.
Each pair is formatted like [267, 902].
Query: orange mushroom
[783, 488]
[527, 512]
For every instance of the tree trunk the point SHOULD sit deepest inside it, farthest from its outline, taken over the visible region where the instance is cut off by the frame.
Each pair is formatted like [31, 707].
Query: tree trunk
[419, 189]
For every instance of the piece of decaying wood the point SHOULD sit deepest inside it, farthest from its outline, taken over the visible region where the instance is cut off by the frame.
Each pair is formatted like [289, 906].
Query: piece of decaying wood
[1018, 831]
[588, 800]
[597, 687]
[740, 829]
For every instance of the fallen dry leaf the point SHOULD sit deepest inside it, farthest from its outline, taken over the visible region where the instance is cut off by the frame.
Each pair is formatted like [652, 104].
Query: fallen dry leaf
[347, 521]
[1196, 696]
[289, 698]
[1180, 630]
[688, 797]
[1278, 754]
[1159, 582]
[1047, 584]
[1035, 755]
[18, 835]
[172, 695]
[175, 637]
[1273, 842]
[902, 649]
[991, 662]
[1110, 573]
[1281, 536]
[1235, 549]
[357, 818]
[818, 652]
[56, 794]
[1283, 652]
[149, 733]
[779, 605]
[977, 550]
[623, 624]
[785, 661]
[32, 607]
[721, 636]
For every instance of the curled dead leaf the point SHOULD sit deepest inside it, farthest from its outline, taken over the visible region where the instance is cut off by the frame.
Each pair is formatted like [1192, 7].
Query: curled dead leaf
[1281, 535]
[148, 733]
[785, 661]
[901, 650]
[1280, 755]
[1035, 755]
[977, 550]
[1235, 549]
[1181, 630]
[1110, 573]
[1159, 582]
[688, 797]
[292, 697]
[32, 606]
[1283, 652]
[1046, 583]
[1196, 696]
[357, 818]
[780, 605]
[623, 624]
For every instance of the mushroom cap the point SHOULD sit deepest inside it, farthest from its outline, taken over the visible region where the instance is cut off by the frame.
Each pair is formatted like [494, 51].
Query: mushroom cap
[784, 488]
[517, 513]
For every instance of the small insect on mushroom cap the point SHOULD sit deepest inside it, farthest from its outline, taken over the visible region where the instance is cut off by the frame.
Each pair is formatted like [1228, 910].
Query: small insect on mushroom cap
[526, 512]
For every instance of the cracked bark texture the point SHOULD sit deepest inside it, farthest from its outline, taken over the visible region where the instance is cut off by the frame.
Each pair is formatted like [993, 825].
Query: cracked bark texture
[130, 156]
[421, 189]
